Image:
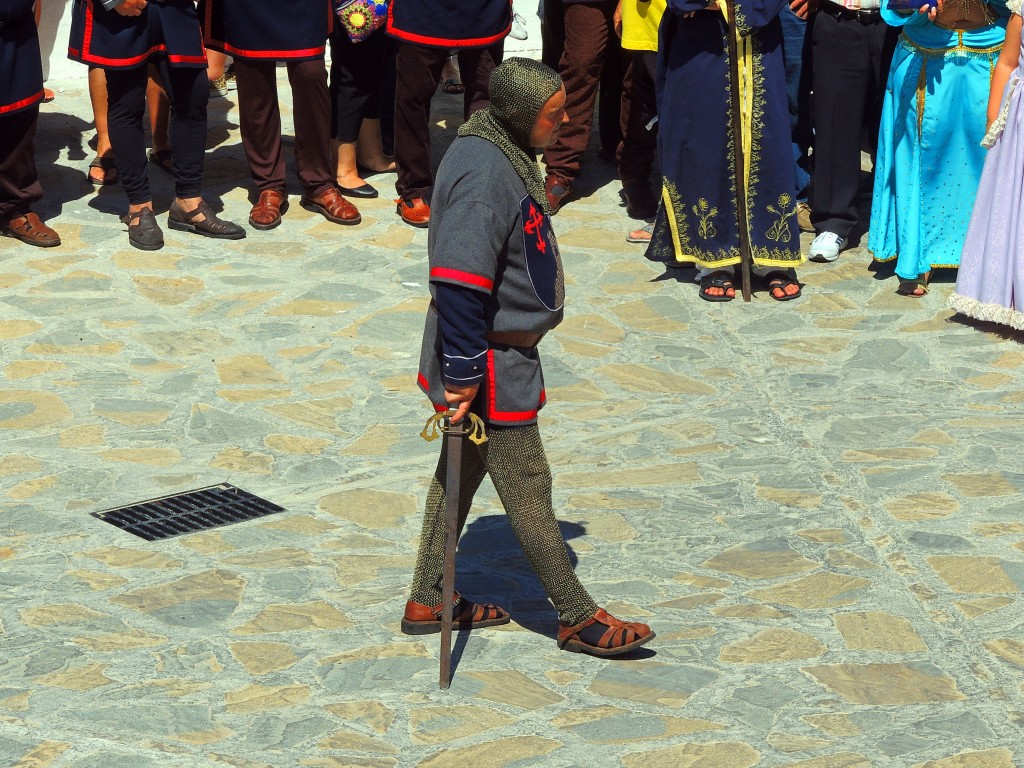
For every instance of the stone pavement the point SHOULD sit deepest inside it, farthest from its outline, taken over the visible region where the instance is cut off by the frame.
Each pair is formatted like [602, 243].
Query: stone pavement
[816, 504]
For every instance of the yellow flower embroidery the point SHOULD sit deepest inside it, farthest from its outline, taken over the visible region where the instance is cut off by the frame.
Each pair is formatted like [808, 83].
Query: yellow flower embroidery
[705, 213]
[779, 231]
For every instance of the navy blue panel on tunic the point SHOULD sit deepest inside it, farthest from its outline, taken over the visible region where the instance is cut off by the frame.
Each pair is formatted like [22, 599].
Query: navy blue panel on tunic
[450, 23]
[21, 70]
[541, 254]
[106, 39]
[268, 29]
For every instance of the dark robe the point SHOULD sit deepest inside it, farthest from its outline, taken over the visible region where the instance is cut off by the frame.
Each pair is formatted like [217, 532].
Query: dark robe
[450, 23]
[106, 39]
[21, 71]
[268, 30]
[697, 221]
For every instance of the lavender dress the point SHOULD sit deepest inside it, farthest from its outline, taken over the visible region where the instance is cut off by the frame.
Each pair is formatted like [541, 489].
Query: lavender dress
[990, 284]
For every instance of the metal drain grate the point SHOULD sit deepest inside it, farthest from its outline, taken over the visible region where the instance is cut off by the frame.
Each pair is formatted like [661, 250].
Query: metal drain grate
[188, 512]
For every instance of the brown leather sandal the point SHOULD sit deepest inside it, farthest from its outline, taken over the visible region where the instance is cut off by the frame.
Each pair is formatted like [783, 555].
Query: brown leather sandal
[603, 635]
[422, 619]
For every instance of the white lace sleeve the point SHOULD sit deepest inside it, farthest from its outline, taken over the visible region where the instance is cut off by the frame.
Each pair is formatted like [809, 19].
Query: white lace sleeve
[996, 129]
[1013, 6]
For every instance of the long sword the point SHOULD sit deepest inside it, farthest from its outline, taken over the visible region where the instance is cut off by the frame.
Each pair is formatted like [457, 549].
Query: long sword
[453, 434]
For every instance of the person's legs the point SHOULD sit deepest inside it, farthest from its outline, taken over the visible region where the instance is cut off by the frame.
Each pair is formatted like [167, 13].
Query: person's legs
[159, 115]
[188, 91]
[519, 470]
[103, 171]
[476, 65]
[126, 93]
[426, 581]
[794, 31]
[351, 90]
[635, 153]
[311, 112]
[259, 119]
[841, 82]
[587, 31]
[19, 182]
[418, 73]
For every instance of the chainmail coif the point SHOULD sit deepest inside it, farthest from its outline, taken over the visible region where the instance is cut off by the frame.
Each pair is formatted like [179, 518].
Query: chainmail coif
[519, 88]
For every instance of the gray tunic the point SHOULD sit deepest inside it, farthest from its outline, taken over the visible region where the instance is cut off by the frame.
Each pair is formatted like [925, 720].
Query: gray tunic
[488, 235]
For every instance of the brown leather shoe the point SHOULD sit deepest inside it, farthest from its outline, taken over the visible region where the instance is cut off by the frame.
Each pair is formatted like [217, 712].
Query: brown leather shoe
[29, 229]
[333, 207]
[414, 212]
[266, 214]
[556, 191]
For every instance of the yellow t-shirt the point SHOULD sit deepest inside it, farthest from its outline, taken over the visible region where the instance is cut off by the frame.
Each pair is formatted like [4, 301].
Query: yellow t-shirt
[640, 20]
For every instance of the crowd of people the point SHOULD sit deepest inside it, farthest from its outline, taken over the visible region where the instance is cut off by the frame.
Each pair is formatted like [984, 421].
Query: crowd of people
[917, 86]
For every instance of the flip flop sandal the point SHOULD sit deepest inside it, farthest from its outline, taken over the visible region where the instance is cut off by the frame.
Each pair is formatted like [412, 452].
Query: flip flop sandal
[633, 237]
[162, 160]
[907, 287]
[453, 86]
[721, 280]
[603, 635]
[782, 281]
[109, 168]
[426, 620]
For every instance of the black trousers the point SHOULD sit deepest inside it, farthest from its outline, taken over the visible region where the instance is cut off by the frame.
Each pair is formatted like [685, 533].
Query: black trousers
[850, 66]
[635, 154]
[418, 73]
[188, 91]
[19, 182]
[360, 74]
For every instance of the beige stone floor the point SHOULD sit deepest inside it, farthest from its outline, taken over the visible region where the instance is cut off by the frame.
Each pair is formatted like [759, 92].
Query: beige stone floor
[817, 505]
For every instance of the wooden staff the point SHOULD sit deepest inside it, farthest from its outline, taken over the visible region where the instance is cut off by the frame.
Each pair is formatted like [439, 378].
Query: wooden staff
[453, 434]
[739, 163]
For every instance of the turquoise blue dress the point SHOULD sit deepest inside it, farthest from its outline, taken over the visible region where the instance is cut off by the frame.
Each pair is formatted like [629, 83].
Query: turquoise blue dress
[930, 157]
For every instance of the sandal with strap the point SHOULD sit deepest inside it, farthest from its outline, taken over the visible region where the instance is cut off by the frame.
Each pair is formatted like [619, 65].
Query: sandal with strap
[781, 281]
[603, 635]
[721, 280]
[422, 619]
[208, 226]
[909, 287]
[106, 164]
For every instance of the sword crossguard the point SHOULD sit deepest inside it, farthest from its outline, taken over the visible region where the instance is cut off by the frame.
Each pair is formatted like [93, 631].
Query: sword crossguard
[438, 424]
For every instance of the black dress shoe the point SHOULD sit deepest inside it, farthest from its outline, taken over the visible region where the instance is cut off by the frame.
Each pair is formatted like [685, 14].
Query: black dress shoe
[365, 191]
[640, 202]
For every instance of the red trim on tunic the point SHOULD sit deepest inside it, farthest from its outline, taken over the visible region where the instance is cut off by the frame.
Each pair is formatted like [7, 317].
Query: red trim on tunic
[23, 103]
[492, 399]
[441, 42]
[463, 277]
[422, 381]
[304, 53]
[87, 56]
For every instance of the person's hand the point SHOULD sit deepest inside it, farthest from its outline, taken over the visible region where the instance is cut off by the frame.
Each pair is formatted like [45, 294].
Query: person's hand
[460, 399]
[931, 10]
[803, 8]
[131, 7]
[617, 19]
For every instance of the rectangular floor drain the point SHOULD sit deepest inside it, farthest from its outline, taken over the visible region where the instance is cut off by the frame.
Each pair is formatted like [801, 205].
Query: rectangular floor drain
[188, 512]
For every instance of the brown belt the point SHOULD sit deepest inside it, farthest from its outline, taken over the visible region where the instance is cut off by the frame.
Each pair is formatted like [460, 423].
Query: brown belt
[515, 338]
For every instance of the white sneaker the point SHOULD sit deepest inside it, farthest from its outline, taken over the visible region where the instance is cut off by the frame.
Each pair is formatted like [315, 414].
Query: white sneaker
[826, 247]
[519, 31]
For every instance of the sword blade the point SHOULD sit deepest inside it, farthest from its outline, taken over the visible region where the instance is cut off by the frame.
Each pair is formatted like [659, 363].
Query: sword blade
[453, 442]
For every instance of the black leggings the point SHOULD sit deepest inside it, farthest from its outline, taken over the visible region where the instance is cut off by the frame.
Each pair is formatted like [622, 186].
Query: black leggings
[188, 90]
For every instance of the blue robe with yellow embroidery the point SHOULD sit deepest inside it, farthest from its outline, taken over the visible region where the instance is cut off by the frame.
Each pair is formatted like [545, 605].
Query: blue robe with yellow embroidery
[697, 220]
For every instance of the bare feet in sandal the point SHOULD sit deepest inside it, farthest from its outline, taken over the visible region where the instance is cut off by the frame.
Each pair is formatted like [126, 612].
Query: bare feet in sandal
[783, 286]
[915, 288]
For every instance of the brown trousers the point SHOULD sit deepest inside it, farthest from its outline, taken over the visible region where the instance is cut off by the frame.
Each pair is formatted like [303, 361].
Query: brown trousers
[588, 33]
[419, 72]
[19, 182]
[260, 123]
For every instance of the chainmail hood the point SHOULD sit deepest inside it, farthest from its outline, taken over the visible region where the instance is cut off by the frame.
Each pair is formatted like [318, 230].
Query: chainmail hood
[519, 88]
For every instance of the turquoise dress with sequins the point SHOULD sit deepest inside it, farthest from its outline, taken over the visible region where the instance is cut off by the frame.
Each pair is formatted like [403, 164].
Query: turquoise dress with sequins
[930, 157]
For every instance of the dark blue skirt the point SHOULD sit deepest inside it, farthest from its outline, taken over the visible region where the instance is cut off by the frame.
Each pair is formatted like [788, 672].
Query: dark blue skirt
[108, 40]
[21, 70]
[269, 30]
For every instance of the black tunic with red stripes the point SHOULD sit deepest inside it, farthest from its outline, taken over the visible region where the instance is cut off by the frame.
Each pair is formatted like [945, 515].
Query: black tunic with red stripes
[21, 69]
[270, 30]
[494, 270]
[450, 23]
[103, 38]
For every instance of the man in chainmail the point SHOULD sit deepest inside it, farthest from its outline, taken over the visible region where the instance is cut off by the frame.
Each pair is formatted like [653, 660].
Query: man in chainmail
[497, 288]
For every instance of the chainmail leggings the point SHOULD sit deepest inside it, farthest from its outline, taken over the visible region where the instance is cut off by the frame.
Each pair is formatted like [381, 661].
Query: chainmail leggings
[514, 458]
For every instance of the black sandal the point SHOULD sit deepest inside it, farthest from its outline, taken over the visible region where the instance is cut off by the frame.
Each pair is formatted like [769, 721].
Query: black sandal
[106, 164]
[718, 279]
[908, 287]
[781, 281]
